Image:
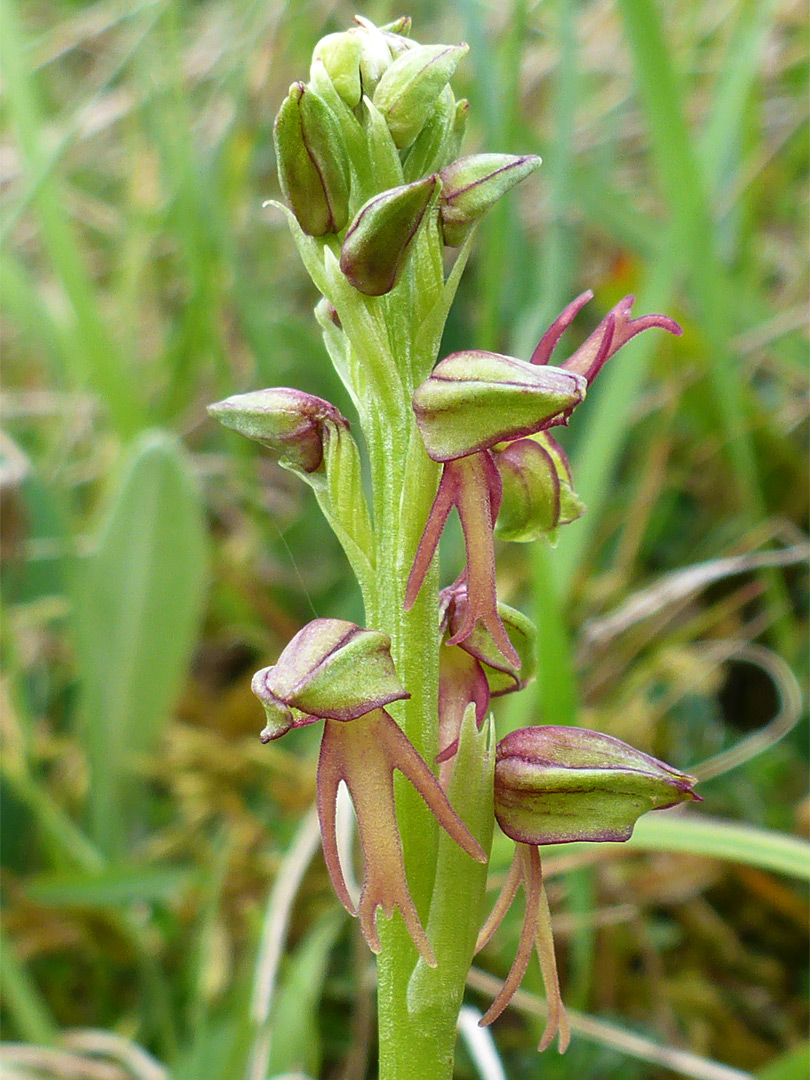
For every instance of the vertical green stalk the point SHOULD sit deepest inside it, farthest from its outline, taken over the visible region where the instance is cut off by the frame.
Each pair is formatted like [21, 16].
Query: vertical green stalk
[404, 482]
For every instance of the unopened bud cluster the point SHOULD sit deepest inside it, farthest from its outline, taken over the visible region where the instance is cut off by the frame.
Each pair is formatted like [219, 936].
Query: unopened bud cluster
[376, 87]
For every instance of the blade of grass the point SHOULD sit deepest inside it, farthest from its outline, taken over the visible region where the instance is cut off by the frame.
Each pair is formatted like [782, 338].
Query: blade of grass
[296, 1042]
[606, 423]
[554, 695]
[719, 142]
[44, 169]
[112, 886]
[71, 846]
[696, 834]
[683, 181]
[103, 366]
[190, 178]
[480, 1044]
[25, 1005]
[718, 839]
[496, 99]
[555, 269]
[593, 1029]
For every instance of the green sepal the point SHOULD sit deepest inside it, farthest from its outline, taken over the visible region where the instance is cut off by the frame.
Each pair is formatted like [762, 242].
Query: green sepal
[289, 422]
[475, 399]
[472, 185]
[555, 785]
[331, 669]
[430, 151]
[377, 242]
[339, 54]
[408, 91]
[537, 496]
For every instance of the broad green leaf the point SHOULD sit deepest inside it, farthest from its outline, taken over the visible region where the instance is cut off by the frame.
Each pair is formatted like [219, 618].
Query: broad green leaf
[138, 605]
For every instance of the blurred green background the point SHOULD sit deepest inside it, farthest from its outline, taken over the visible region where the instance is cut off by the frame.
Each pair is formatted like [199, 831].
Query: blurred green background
[162, 887]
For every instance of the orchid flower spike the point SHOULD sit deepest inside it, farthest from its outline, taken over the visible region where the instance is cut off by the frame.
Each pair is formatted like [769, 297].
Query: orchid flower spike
[471, 402]
[555, 785]
[335, 671]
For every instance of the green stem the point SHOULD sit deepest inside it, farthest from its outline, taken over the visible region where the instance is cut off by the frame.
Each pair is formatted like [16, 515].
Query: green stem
[417, 1033]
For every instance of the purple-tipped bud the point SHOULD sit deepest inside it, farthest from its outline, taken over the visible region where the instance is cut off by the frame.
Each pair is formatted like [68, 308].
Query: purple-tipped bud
[554, 785]
[615, 330]
[332, 670]
[407, 92]
[378, 241]
[472, 185]
[474, 400]
[398, 39]
[312, 162]
[537, 493]
[292, 424]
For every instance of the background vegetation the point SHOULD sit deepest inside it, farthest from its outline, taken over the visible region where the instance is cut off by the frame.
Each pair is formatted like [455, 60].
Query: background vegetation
[162, 884]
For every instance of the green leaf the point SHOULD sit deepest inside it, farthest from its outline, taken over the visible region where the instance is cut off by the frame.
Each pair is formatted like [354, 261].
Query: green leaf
[138, 606]
[111, 886]
[719, 839]
[295, 1027]
[792, 1065]
[26, 1007]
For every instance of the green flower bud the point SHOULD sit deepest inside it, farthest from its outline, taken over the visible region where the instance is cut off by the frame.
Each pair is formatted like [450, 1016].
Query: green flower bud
[554, 785]
[312, 162]
[289, 422]
[377, 241]
[375, 58]
[340, 55]
[537, 492]
[473, 400]
[471, 185]
[407, 92]
[331, 670]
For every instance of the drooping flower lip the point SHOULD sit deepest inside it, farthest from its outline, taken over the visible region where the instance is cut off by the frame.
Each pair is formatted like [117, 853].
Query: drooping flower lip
[558, 785]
